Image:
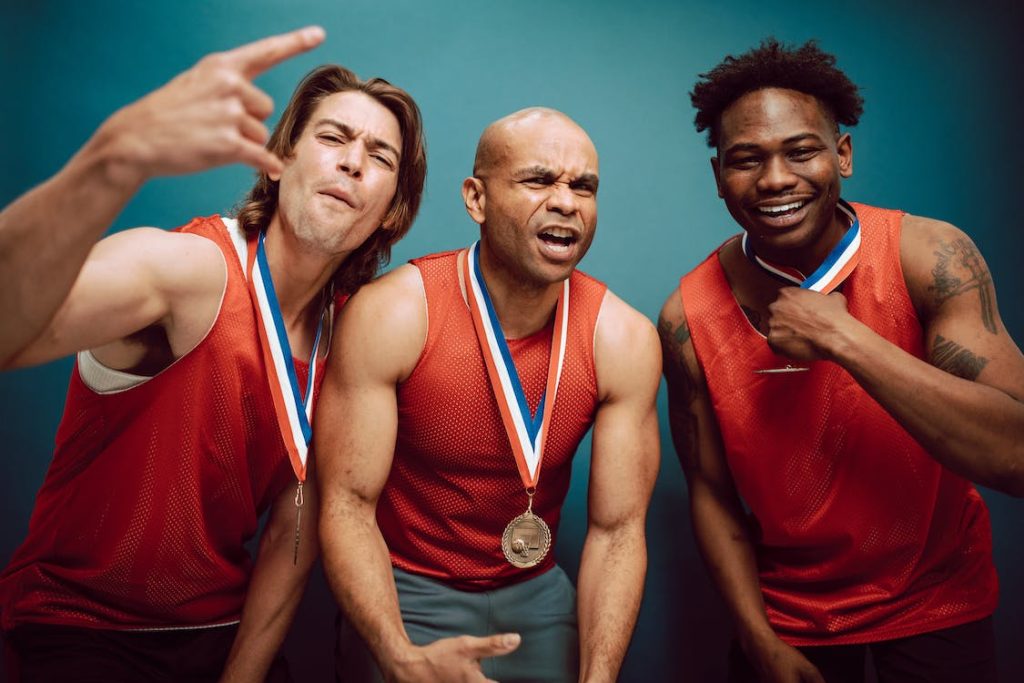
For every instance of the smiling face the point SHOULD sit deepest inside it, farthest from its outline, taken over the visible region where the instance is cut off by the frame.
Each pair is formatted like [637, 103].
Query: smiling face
[534, 193]
[779, 167]
[338, 184]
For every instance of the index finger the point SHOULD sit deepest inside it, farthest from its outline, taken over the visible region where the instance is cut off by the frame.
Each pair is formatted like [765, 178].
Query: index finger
[254, 58]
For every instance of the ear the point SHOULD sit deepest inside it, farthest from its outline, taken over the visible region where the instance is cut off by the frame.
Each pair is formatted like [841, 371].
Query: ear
[844, 148]
[474, 197]
[717, 171]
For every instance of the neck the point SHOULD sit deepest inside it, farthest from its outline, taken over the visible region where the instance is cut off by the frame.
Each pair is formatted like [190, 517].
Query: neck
[300, 275]
[807, 259]
[522, 307]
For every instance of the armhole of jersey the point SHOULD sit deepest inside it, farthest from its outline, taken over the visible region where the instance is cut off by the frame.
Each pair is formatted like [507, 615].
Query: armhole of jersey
[101, 379]
[238, 240]
[427, 344]
[898, 239]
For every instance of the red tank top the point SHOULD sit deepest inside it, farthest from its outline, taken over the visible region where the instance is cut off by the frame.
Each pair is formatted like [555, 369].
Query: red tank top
[454, 484]
[860, 535]
[153, 491]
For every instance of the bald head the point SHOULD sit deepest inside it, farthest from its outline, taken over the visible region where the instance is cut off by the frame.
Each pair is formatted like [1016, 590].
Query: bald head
[503, 136]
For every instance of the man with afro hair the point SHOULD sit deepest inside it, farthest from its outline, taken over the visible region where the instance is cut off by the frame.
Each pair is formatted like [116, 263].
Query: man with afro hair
[838, 377]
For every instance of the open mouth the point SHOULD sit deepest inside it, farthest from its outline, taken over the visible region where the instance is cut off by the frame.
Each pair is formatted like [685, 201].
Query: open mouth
[558, 237]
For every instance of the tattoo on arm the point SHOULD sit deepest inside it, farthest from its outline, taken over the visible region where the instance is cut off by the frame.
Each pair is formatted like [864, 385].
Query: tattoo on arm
[949, 356]
[682, 389]
[971, 274]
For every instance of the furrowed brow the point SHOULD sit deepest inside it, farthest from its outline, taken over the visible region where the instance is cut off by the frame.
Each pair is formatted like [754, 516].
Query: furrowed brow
[587, 180]
[350, 132]
[534, 172]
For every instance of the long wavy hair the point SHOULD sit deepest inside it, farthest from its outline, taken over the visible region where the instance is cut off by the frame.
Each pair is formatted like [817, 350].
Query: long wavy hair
[257, 209]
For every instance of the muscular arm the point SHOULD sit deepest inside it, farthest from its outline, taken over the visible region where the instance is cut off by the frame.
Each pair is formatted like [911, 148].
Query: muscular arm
[208, 116]
[717, 515]
[377, 342]
[132, 281]
[964, 404]
[623, 469]
[276, 586]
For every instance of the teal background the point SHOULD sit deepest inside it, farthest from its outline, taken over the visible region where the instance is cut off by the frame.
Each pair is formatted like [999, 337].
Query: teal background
[940, 137]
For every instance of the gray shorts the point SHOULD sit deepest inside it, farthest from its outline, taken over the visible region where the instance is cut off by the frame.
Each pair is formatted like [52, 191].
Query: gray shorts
[542, 610]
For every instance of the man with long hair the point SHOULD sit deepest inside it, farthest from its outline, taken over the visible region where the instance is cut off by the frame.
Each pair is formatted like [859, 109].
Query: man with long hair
[200, 353]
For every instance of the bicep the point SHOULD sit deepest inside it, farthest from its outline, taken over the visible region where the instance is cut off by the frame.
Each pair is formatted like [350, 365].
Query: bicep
[127, 283]
[378, 336]
[952, 288]
[626, 454]
[692, 420]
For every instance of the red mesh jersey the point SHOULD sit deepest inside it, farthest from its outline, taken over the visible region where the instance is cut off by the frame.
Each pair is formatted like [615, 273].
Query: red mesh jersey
[153, 491]
[860, 535]
[454, 485]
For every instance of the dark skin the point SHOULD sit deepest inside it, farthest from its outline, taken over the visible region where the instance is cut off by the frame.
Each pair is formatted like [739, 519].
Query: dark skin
[963, 403]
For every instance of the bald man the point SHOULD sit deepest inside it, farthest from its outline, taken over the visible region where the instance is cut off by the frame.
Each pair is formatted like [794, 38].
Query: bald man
[460, 388]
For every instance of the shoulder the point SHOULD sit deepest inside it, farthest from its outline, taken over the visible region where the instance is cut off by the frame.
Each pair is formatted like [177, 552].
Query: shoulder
[626, 350]
[938, 259]
[386, 320]
[176, 261]
[390, 300]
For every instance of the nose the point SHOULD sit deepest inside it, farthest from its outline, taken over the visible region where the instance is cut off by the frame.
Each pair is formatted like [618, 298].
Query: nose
[351, 158]
[776, 176]
[562, 200]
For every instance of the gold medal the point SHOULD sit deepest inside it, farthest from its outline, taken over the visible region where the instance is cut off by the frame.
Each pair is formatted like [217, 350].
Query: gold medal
[526, 540]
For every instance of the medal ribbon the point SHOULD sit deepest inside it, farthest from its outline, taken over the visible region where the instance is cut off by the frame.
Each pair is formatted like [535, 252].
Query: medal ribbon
[527, 435]
[294, 415]
[836, 267]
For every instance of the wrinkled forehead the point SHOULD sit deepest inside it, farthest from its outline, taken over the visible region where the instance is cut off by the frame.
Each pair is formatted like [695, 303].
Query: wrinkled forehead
[359, 112]
[548, 140]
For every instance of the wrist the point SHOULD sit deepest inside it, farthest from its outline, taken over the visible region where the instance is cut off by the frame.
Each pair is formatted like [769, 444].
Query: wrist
[754, 637]
[844, 341]
[117, 155]
[399, 658]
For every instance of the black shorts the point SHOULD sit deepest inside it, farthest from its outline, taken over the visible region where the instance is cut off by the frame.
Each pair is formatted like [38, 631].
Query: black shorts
[46, 653]
[951, 655]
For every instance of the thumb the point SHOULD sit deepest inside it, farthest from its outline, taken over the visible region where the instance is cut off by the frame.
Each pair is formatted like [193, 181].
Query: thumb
[491, 646]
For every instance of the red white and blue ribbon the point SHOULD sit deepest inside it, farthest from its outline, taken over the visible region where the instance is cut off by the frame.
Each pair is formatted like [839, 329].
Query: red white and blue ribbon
[527, 434]
[294, 413]
[836, 267]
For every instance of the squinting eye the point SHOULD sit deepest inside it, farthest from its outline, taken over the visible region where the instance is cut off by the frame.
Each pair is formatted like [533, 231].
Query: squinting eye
[803, 153]
[330, 138]
[745, 163]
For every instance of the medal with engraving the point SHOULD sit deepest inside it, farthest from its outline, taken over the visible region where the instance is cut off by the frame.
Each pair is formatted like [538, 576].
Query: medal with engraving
[527, 538]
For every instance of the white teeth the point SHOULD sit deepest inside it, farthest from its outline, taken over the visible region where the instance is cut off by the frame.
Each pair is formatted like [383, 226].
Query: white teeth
[775, 210]
[558, 232]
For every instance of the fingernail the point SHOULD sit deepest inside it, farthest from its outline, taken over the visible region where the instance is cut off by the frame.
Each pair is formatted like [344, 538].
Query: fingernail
[511, 639]
[314, 33]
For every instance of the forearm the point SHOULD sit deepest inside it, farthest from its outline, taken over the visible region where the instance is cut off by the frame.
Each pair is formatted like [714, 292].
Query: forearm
[275, 590]
[46, 235]
[725, 545]
[973, 429]
[358, 569]
[610, 587]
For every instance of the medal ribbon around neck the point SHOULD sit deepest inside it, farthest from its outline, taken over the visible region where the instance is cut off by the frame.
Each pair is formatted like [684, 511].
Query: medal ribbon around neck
[526, 435]
[836, 267]
[294, 415]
